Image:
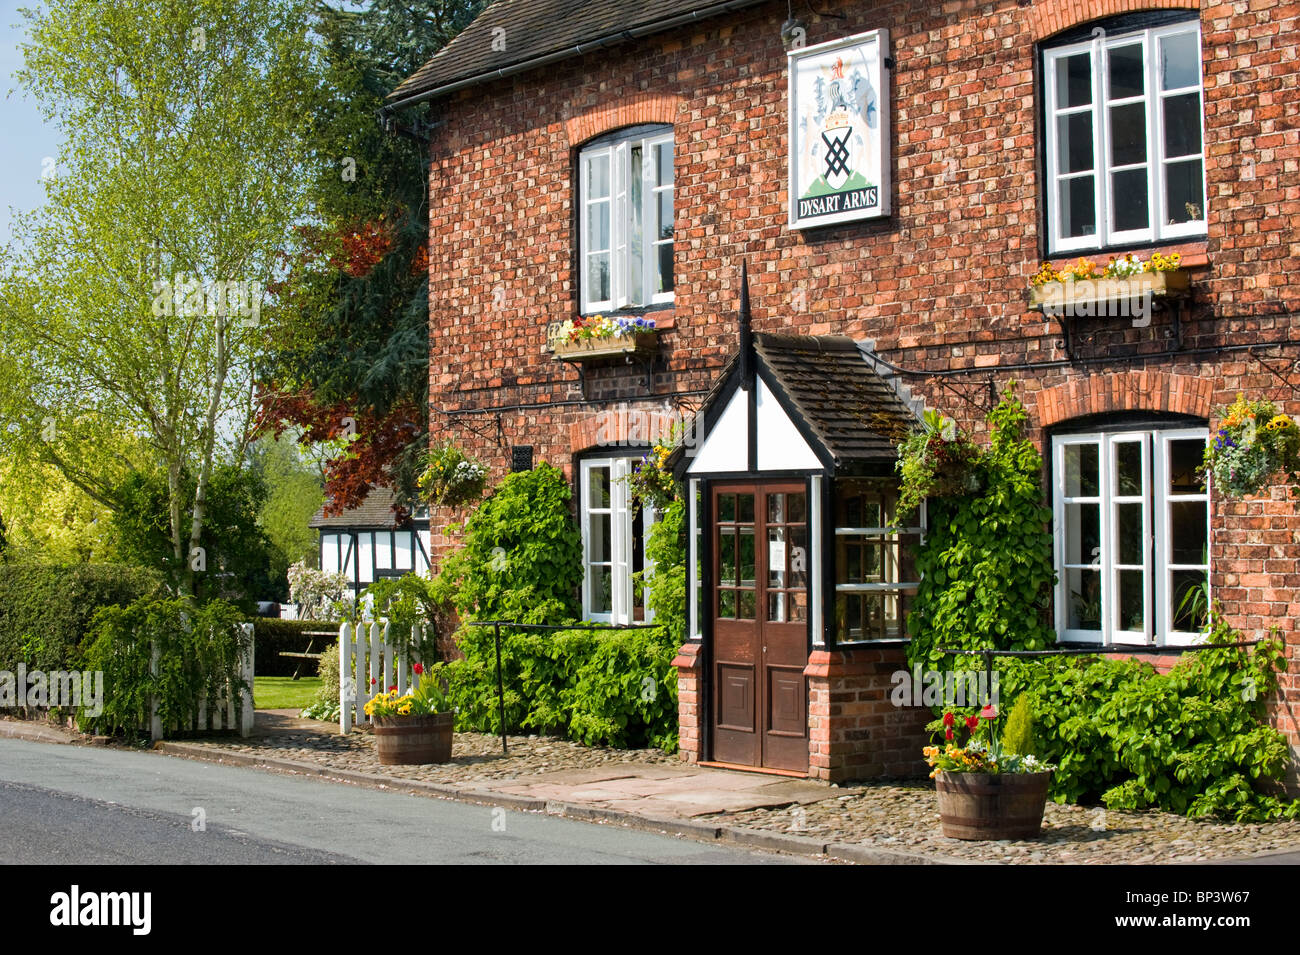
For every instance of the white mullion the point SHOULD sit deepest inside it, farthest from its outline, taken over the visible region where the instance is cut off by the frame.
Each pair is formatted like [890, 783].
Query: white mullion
[620, 253]
[1100, 154]
[1164, 542]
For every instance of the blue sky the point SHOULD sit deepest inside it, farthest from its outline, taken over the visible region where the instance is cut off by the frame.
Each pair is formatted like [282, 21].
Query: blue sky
[24, 140]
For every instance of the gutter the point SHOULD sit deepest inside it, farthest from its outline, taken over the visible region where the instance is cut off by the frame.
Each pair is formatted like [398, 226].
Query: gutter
[608, 40]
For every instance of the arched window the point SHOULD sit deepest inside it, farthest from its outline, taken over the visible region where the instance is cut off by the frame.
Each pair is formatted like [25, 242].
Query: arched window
[1123, 121]
[1132, 538]
[625, 219]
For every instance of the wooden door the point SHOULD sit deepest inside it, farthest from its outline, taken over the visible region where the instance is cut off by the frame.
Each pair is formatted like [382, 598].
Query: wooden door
[760, 625]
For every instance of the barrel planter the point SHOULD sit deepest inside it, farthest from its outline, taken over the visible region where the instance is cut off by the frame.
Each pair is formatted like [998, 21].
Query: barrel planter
[992, 805]
[413, 739]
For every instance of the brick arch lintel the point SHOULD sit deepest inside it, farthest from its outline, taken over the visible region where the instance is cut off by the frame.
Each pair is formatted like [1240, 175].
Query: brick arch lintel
[1132, 390]
[644, 107]
[623, 426]
[1049, 17]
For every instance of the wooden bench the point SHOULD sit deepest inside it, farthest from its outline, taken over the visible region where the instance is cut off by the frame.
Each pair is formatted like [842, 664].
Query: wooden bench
[308, 654]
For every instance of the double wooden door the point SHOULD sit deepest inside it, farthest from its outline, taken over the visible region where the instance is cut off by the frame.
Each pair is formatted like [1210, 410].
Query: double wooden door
[761, 561]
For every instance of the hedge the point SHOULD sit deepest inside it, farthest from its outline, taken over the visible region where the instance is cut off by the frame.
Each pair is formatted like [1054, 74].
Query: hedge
[46, 611]
[271, 636]
[612, 687]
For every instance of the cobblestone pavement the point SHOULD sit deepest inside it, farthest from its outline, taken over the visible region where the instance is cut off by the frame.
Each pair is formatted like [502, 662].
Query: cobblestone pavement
[901, 816]
[906, 817]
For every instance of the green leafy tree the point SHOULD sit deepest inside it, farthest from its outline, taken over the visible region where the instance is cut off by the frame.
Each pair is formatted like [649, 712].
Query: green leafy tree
[131, 303]
[293, 496]
[353, 340]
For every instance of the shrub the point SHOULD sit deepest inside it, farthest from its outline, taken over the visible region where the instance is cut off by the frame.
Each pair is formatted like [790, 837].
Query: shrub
[316, 592]
[46, 612]
[986, 564]
[326, 704]
[1018, 735]
[198, 655]
[1191, 740]
[667, 584]
[522, 555]
[615, 687]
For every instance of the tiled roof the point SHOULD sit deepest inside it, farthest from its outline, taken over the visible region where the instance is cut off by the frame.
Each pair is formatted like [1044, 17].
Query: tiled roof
[512, 32]
[855, 413]
[375, 511]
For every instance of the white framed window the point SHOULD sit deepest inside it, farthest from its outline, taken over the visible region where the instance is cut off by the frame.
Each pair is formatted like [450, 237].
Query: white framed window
[1132, 536]
[614, 535]
[875, 565]
[1124, 147]
[625, 219]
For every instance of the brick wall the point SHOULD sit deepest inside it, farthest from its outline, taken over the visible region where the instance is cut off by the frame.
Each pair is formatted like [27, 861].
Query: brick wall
[939, 286]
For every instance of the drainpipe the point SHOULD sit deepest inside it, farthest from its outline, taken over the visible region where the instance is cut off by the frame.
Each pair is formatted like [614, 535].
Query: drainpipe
[611, 39]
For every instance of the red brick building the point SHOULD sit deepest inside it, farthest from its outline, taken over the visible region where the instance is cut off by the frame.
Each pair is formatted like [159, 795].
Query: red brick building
[626, 159]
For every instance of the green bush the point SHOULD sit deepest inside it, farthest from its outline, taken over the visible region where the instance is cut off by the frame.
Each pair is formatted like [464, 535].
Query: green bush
[521, 559]
[1191, 740]
[1018, 736]
[272, 636]
[198, 654]
[613, 687]
[46, 612]
[667, 584]
[986, 565]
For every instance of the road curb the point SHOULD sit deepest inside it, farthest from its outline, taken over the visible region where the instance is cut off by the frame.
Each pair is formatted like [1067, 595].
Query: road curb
[803, 846]
[35, 732]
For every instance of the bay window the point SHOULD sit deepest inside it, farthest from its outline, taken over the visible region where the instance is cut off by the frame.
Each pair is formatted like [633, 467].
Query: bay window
[875, 566]
[1132, 536]
[625, 219]
[1124, 150]
[614, 534]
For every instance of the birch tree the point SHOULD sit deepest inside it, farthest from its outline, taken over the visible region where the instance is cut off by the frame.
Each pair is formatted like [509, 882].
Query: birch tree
[131, 305]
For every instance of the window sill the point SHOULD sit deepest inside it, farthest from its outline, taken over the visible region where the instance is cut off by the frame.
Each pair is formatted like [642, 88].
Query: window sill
[1191, 254]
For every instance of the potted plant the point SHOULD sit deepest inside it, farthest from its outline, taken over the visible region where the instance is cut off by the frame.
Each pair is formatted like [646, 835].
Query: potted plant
[990, 788]
[1086, 284]
[1254, 442]
[600, 336]
[414, 727]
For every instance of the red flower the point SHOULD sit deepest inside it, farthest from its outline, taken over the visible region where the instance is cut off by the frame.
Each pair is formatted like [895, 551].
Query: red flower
[373, 681]
[947, 734]
[948, 720]
[989, 712]
[972, 722]
[419, 669]
[393, 688]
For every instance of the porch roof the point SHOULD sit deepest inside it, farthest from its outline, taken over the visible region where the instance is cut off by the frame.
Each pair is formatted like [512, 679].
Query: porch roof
[831, 391]
[853, 412]
[375, 511]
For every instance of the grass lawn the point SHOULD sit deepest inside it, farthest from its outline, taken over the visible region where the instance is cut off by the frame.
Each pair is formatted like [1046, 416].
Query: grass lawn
[282, 692]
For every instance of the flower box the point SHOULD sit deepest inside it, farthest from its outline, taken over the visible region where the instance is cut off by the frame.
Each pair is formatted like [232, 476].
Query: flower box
[584, 349]
[1084, 296]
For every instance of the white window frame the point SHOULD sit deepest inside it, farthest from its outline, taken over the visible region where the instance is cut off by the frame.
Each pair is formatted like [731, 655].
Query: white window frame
[620, 561]
[628, 251]
[1157, 566]
[1153, 98]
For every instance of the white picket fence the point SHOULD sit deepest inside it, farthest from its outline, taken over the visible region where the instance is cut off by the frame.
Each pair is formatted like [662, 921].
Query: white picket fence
[230, 710]
[369, 663]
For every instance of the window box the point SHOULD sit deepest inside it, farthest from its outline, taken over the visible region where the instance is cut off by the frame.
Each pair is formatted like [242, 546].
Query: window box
[587, 349]
[1080, 296]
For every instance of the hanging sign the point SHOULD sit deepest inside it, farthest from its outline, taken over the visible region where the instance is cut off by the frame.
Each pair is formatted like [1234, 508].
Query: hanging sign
[839, 131]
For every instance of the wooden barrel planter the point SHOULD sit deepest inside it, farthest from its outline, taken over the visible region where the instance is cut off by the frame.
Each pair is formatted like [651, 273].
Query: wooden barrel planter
[413, 739]
[992, 805]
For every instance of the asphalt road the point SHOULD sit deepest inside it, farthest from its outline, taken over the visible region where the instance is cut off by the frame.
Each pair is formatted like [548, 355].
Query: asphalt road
[89, 805]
